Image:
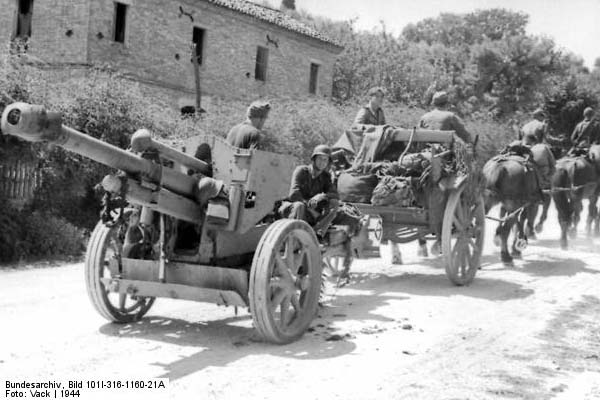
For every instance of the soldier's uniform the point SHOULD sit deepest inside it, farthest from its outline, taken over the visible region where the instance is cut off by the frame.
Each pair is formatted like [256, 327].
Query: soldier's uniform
[533, 132]
[310, 189]
[366, 116]
[247, 135]
[438, 119]
[244, 136]
[445, 121]
[587, 132]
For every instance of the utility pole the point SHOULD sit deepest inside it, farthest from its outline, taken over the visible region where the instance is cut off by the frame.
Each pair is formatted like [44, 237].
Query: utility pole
[197, 77]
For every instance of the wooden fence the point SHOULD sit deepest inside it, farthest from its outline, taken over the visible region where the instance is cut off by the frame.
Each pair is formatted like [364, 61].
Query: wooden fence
[19, 180]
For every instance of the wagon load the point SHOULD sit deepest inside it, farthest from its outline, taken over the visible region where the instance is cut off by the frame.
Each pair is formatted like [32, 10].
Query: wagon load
[393, 191]
[427, 184]
[400, 183]
[357, 184]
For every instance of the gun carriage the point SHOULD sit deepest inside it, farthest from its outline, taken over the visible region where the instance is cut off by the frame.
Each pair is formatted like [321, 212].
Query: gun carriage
[177, 227]
[453, 207]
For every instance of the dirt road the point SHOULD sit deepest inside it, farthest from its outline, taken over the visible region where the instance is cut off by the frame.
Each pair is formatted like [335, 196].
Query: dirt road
[531, 331]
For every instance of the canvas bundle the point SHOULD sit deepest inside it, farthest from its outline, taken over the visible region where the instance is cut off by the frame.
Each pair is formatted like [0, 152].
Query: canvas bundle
[393, 190]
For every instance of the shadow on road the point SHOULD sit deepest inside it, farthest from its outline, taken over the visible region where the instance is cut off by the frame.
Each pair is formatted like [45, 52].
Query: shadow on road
[580, 243]
[554, 266]
[438, 285]
[221, 342]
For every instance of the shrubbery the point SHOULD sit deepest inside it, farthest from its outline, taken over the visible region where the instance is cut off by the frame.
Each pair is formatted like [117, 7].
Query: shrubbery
[33, 234]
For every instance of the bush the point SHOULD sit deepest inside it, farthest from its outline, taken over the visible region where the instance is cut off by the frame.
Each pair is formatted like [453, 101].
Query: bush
[48, 235]
[30, 235]
[11, 231]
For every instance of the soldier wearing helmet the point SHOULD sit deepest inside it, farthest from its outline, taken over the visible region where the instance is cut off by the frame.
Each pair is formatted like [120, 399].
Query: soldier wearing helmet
[534, 131]
[587, 132]
[372, 113]
[247, 134]
[312, 191]
[441, 119]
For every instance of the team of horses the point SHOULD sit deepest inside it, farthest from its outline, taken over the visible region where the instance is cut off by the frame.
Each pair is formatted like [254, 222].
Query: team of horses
[522, 183]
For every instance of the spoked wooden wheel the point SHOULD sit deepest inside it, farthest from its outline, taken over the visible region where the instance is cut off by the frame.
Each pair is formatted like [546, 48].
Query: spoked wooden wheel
[462, 236]
[378, 230]
[103, 247]
[285, 281]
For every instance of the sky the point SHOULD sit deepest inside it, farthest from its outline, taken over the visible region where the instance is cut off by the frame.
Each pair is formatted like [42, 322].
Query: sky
[573, 24]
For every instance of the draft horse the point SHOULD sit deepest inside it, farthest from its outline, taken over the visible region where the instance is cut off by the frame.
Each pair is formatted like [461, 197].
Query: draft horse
[576, 178]
[512, 182]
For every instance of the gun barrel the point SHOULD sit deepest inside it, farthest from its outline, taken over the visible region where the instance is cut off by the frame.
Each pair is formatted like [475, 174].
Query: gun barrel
[33, 123]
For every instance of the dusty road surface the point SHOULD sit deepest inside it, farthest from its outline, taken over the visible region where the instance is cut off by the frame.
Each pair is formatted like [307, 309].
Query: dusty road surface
[531, 331]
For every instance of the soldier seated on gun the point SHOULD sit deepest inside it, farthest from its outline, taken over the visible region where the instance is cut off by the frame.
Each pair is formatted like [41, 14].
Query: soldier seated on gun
[312, 193]
[586, 133]
[247, 135]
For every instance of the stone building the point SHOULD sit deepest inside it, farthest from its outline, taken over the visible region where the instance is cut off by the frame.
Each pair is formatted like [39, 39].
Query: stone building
[243, 50]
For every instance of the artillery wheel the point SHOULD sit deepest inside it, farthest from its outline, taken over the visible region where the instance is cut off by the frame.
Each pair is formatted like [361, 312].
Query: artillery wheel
[103, 246]
[285, 281]
[462, 236]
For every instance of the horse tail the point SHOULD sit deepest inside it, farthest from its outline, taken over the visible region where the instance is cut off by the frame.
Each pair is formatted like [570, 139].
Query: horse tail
[493, 173]
[561, 181]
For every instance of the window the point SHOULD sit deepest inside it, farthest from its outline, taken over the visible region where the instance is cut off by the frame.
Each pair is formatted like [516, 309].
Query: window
[24, 15]
[198, 40]
[262, 55]
[314, 78]
[120, 22]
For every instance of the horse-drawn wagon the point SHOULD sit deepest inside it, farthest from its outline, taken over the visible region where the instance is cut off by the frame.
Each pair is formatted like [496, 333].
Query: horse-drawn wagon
[174, 226]
[451, 208]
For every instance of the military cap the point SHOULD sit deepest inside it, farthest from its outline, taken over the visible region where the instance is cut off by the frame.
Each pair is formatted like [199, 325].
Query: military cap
[258, 109]
[440, 98]
[321, 150]
[588, 112]
[538, 112]
[375, 90]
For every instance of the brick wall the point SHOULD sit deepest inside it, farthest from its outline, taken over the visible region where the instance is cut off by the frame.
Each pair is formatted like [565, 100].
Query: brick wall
[158, 46]
[59, 29]
[7, 20]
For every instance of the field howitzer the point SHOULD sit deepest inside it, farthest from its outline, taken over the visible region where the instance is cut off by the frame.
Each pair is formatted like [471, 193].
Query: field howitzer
[191, 229]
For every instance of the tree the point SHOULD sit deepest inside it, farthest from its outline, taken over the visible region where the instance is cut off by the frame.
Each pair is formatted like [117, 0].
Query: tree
[467, 29]
[565, 106]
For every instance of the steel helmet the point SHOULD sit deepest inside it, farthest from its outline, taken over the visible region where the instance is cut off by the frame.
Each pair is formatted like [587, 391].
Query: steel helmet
[321, 150]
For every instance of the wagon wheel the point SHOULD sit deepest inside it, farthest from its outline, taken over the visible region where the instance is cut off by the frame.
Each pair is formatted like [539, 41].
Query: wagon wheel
[462, 236]
[104, 245]
[285, 281]
[378, 230]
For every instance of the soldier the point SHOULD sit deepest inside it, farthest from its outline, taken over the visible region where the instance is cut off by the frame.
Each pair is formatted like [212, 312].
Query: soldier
[535, 130]
[587, 132]
[312, 190]
[441, 119]
[372, 113]
[247, 134]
